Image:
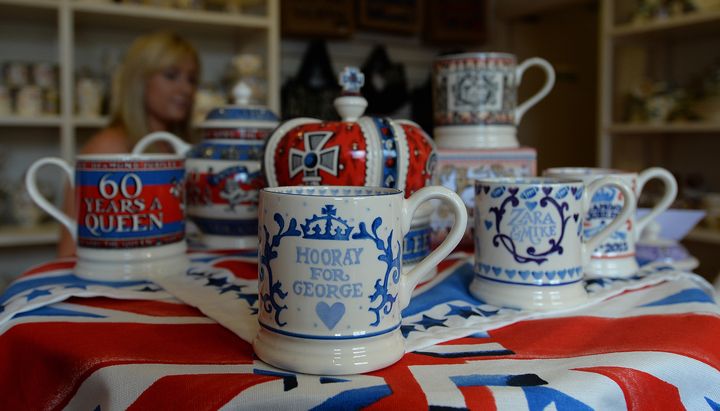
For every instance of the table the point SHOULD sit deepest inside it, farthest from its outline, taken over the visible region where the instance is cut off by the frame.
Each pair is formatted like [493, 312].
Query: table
[649, 342]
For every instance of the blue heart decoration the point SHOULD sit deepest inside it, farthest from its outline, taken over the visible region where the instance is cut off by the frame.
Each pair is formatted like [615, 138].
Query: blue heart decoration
[486, 189]
[550, 274]
[330, 315]
[488, 224]
[497, 270]
[576, 216]
[537, 274]
[547, 190]
[510, 273]
[531, 205]
[524, 274]
[485, 267]
[561, 273]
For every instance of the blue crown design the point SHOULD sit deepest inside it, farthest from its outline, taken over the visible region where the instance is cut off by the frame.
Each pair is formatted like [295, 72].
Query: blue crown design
[604, 195]
[327, 226]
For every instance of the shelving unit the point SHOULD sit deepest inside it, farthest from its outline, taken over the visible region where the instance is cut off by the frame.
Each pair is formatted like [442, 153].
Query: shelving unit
[75, 33]
[673, 50]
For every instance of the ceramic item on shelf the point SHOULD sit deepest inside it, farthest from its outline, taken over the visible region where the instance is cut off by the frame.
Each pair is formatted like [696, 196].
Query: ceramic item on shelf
[130, 214]
[5, 101]
[615, 257]
[330, 284]
[224, 171]
[17, 74]
[29, 101]
[650, 248]
[357, 151]
[529, 247]
[475, 98]
[89, 97]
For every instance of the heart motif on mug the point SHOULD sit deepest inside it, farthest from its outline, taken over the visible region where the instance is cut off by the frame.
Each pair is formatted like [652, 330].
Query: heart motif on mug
[486, 189]
[576, 216]
[488, 224]
[330, 315]
[531, 205]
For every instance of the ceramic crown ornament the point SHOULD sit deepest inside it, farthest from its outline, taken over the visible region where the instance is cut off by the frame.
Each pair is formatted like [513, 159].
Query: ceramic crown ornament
[356, 151]
[224, 173]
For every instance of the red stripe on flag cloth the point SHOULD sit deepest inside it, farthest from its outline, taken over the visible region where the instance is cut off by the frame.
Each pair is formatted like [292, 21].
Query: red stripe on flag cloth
[478, 398]
[144, 307]
[636, 384]
[29, 380]
[692, 335]
[196, 392]
[67, 264]
[239, 268]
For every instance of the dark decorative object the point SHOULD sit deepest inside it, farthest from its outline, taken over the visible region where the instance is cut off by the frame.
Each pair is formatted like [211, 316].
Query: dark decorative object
[312, 91]
[385, 83]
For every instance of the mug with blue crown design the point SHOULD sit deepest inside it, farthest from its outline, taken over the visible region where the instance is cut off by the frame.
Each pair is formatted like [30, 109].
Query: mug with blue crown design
[330, 280]
[529, 243]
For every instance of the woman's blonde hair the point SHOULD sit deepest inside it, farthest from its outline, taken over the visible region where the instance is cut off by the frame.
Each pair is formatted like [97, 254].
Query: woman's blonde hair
[147, 55]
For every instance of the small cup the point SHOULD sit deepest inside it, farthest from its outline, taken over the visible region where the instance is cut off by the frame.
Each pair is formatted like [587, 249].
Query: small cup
[130, 213]
[330, 279]
[615, 257]
[529, 247]
[475, 98]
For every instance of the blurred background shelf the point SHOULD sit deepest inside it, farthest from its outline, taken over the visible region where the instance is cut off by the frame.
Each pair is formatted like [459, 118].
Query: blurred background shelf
[669, 128]
[14, 236]
[705, 235]
[40, 121]
[698, 22]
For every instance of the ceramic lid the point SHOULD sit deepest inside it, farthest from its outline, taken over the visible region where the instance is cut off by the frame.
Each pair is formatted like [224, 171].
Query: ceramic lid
[241, 114]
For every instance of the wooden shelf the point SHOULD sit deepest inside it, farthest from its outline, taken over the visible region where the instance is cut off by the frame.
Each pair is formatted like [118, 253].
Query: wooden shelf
[704, 235]
[45, 234]
[691, 22]
[100, 13]
[91, 122]
[40, 121]
[670, 128]
[47, 4]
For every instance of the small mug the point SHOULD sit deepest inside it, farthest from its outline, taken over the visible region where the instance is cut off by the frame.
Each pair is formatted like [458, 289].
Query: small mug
[615, 257]
[529, 247]
[475, 98]
[130, 220]
[330, 278]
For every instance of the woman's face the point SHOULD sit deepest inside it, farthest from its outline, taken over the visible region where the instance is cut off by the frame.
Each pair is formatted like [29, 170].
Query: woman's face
[169, 93]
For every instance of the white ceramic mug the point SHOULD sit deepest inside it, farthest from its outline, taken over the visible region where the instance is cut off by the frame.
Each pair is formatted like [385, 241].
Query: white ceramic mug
[475, 98]
[529, 246]
[330, 281]
[615, 257]
[130, 213]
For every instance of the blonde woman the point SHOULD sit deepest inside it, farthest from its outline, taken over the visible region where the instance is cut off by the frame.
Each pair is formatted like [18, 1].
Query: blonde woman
[153, 90]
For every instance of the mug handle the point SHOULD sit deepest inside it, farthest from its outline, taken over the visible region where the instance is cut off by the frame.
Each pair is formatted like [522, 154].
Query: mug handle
[42, 202]
[671, 190]
[177, 144]
[549, 83]
[591, 244]
[409, 281]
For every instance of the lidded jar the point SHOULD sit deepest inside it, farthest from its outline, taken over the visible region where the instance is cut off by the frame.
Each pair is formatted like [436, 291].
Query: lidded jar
[223, 172]
[356, 151]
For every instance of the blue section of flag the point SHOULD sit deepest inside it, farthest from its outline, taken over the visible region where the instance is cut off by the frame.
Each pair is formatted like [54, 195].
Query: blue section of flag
[540, 398]
[51, 311]
[64, 280]
[690, 295]
[167, 228]
[158, 177]
[713, 405]
[453, 287]
[354, 399]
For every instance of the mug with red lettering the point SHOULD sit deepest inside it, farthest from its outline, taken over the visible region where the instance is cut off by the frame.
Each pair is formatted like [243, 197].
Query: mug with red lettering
[129, 218]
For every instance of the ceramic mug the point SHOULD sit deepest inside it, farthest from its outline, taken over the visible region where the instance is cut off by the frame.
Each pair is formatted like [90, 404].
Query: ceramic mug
[330, 278]
[475, 98]
[529, 246]
[615, 257]
[130, 215]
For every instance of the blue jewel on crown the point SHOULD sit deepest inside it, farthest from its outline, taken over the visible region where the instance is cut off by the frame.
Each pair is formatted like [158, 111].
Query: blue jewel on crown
[327, 226]
[604, 195]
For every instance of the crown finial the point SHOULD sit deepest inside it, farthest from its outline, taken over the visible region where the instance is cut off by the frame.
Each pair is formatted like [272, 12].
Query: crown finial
[351, 104]
[241, 94]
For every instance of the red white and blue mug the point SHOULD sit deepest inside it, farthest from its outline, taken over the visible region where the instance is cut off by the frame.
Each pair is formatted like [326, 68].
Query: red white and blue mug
[130, 213]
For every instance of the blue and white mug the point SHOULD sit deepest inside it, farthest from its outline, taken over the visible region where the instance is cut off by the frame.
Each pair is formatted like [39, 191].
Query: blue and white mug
[615, 257]
[330, 280]
[529, 245]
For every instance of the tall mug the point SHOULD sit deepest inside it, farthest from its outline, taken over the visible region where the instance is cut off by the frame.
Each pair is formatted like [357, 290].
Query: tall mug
[615, 257]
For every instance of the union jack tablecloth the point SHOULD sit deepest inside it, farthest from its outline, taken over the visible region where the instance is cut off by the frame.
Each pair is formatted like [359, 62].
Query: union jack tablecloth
[180, 342]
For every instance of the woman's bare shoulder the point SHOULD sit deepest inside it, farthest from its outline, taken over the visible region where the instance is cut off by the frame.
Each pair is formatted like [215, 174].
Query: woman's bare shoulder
[107, 140]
